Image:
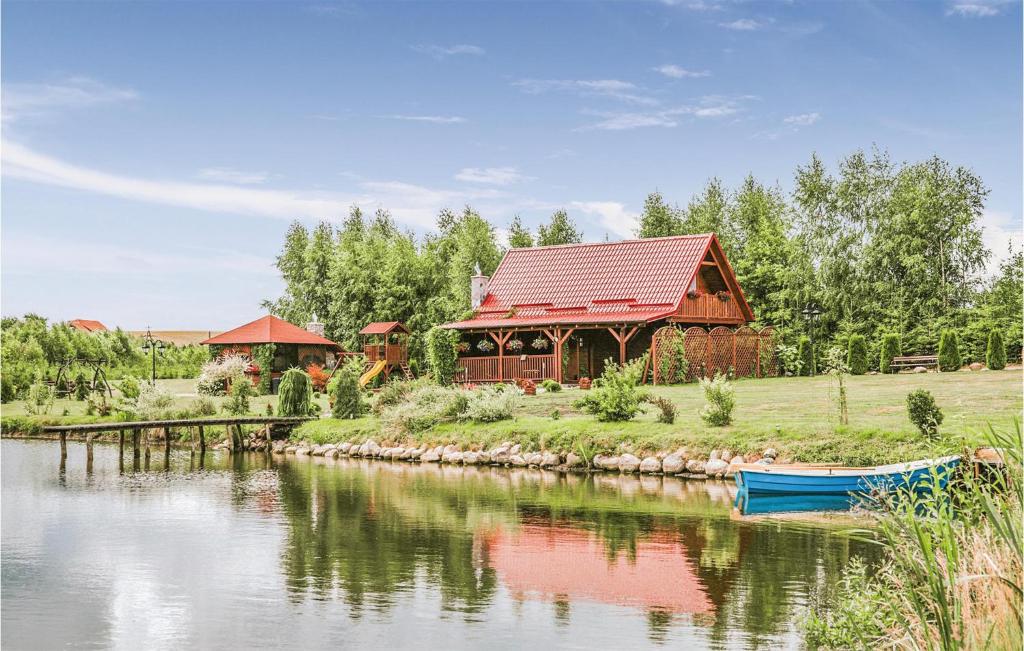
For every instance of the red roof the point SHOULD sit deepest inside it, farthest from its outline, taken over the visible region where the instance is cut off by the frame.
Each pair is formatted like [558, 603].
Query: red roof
[632, 281]
[87, 325]
[269, 330]
[383, 328]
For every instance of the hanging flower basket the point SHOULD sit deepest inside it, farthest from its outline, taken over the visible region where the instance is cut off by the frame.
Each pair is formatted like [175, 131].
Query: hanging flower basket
[693, 293]
[514, 345]
[723, 296]
[485, 346]
[462, 347]
[540, 343]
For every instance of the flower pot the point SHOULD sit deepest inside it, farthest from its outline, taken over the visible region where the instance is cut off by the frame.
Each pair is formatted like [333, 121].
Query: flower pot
[584, 383]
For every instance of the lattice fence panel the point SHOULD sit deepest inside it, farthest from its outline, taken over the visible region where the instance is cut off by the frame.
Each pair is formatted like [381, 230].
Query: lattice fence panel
[768, 357]
[666, 362]
[720, 351]
[746, 352]
[695, 340]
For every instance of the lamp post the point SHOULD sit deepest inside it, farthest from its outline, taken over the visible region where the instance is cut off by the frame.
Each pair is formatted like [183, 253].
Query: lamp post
[152, 345]
[811, 314]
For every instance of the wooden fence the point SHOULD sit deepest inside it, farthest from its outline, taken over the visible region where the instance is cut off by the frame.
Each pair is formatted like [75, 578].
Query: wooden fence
[744, 351]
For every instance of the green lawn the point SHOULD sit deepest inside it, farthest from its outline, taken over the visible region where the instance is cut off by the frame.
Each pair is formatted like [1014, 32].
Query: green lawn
[796, 415]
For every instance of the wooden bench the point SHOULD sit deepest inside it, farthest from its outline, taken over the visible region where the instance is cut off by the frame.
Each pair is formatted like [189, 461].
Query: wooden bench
[912, 361]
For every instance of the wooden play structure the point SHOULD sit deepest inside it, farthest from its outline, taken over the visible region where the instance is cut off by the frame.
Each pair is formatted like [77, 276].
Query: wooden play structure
[386, 349]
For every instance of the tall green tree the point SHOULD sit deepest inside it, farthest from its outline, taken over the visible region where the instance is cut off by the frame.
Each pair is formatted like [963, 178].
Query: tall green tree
[658, 218]
[291, 263]
[560, 230]
[709, 212]
[519, 237]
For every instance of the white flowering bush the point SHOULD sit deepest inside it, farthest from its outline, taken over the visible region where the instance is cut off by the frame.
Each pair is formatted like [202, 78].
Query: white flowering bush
[153, 402]
[215, 375]
[489, 404]
[720, 398]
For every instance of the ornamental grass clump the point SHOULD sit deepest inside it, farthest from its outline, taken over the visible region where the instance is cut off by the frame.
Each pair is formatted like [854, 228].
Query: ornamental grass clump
[924, 413]
[949, 351]
[995, 355]
[720, 399]
[890, 349]
[857, 355]
[666, 409]
[951, 572]
[617, 396]
[295, 394]
[424, 407]
[493, 403]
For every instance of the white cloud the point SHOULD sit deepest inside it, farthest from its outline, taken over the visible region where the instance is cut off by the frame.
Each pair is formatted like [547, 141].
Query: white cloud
[20, 100]
[676, 72]
[433, 119]
[974, 9]
[803, 119]
[613, 216]
[491, 175]
[441, 52]
[229, 175]
[710, 106]
[613, 88]
[411, 204]
[1000, 231]
[743, 25]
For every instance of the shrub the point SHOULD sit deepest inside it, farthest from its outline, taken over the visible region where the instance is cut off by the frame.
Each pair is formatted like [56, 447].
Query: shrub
[394, 393]
[216, 374]
[489, 404]
[441, 354]
[672, 363]
[263, 358]
[40, 398]
[617, 396]
[995, 355]
[805, 352]
[789, 359]
[424, 407]
[129, 387]
[890, 349]
[153, 402]
[318, 376]
[241, 391]
[551, 385]
[81, 387]
[720, 399]
[923, 412]
[857, 355]
[346, 393]
[949, 351]
[666, 409]
[202, 407]
[294, 394]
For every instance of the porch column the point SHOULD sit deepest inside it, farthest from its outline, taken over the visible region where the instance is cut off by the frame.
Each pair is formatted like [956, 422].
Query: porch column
[558, 355]
[623, 338]
[500, 340]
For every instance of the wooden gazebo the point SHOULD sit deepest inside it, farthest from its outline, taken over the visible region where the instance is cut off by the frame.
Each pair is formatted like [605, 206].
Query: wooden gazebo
[559, 312]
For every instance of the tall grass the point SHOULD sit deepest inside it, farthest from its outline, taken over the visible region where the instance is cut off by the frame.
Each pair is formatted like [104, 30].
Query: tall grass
[951, 578]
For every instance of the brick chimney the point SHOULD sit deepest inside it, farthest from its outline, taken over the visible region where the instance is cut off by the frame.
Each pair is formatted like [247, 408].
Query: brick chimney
[315, 326]
[478, 288]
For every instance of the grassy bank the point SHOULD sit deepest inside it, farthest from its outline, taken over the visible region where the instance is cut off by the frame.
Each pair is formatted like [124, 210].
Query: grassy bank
[795, 415]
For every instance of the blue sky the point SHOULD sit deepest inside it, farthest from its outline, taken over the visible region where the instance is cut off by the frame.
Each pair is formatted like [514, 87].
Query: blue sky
[154, 154]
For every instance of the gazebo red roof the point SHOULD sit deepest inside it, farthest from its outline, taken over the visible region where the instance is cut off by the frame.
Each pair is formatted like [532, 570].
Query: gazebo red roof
[87, 325]
[632, 281]
[383, 328]
[269, 330]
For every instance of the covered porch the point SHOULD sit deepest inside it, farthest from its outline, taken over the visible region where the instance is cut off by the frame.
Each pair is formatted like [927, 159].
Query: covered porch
[560, 353]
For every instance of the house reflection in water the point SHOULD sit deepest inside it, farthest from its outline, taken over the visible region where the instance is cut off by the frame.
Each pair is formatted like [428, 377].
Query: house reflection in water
[562, 564]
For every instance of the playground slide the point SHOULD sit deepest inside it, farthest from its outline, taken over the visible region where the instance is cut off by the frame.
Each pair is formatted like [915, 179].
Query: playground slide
[374, 371]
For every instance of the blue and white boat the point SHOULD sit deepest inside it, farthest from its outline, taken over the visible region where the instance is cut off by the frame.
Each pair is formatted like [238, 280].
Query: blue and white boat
[816, 479]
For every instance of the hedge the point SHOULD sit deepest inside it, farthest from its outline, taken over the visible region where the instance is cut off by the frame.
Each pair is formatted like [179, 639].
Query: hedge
[995, 356]
[949, 351]
[857, 355]
[806, 354]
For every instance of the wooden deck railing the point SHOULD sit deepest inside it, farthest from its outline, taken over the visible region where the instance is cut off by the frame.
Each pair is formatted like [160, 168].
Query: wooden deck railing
[709, 306]
[513, 367]
[392, 353]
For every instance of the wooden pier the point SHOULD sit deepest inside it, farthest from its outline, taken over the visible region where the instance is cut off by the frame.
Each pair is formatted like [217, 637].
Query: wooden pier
[233, 428]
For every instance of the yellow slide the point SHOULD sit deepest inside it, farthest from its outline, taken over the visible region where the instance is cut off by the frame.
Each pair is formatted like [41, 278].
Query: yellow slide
[374, 371]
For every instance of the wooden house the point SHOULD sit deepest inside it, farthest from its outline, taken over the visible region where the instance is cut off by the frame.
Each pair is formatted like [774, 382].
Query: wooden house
[293, 346]
[585, 303]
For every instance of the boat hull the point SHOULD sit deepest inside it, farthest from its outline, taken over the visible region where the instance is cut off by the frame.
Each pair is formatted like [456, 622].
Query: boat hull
[840, 481]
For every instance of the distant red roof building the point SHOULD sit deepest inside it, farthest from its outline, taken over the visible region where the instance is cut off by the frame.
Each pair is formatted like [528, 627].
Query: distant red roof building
[383, 328]
[268, 330]
[87, 325]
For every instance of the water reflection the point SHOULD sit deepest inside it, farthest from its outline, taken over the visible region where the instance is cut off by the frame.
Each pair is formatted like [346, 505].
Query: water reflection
[391, 554]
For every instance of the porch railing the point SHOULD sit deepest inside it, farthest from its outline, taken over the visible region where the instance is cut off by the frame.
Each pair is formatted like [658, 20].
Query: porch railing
[709, 306]
[513, 367]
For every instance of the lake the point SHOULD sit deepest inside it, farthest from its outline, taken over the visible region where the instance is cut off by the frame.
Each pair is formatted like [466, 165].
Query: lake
[258, 552]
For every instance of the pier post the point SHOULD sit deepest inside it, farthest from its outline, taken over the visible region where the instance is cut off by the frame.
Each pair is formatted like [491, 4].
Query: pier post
[63, 445]
[135, 450]
[120, 451]
[146, 452]
[88, 454]
[167, 448]
[202, 441]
